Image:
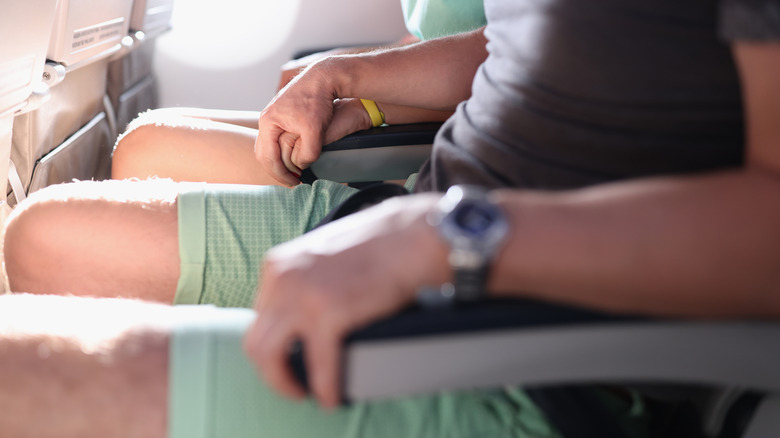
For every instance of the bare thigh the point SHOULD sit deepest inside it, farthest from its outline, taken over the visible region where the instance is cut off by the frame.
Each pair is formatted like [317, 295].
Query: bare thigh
[172, 144]
[110, 238]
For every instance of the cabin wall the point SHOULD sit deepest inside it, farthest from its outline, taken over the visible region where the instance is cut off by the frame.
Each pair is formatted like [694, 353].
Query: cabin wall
[227, 54]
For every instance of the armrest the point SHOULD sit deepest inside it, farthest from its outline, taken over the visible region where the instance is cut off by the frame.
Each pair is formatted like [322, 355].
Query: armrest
[527, 343]
[378, 154]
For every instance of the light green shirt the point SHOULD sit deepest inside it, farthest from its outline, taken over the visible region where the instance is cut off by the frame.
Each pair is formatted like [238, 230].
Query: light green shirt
[428, 19]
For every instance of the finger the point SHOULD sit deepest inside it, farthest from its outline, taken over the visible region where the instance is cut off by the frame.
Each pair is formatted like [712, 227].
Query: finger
[268, 344]
[308, 148]
[268, 152]
[288, 143]
[323, 361]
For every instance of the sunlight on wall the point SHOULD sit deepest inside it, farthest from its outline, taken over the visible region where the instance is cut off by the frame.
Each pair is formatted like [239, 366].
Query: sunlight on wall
[227, 34]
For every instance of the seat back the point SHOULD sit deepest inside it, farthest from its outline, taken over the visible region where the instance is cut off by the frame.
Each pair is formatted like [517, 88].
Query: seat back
[84, 35]
[87, 29]
[132, 86]
[151, 16]
[27, 23]
[38, 135]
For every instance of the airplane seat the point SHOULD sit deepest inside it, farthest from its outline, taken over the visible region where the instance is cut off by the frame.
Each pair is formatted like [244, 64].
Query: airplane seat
[28, 24]
[131, 83]
[152, 17]
[71, 135]
[728, 371]
[6, 128]
[132, 87]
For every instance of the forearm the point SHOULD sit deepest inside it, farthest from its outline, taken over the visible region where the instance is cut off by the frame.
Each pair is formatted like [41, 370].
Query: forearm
[435, 74]
[294, 66]
[696, 246]
[75, 367]
[399, 114]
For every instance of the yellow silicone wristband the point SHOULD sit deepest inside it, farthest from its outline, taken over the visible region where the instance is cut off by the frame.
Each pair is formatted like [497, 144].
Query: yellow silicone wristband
[377, 117]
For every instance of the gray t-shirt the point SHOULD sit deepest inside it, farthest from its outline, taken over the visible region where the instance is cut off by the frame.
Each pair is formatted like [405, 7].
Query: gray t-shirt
[578, 92]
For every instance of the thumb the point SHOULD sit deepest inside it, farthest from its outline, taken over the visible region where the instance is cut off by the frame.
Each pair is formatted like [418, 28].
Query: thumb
[306, 151]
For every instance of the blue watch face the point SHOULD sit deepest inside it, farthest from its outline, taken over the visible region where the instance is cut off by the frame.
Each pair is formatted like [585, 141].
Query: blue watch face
[474, 218]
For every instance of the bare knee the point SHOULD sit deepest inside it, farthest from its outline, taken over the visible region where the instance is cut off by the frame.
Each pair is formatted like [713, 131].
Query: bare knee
[135, 147]
[79, 239]
[40, 230]
[131, 151]
[28, 243]
[152, 142]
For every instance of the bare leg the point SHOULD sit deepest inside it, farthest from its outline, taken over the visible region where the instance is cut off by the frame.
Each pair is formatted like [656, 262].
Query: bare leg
[110, 238]
[81, 368]
[189, 146]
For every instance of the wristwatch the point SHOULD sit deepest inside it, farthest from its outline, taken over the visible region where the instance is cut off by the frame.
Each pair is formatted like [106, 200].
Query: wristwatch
[475, 229]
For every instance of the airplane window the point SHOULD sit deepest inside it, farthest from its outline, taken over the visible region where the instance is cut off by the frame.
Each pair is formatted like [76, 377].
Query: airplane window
[212, 34]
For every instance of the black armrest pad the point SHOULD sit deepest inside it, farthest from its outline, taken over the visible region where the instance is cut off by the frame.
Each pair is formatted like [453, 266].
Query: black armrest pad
[378, 154]
[486, 315]
[383, 136]
[489, 315]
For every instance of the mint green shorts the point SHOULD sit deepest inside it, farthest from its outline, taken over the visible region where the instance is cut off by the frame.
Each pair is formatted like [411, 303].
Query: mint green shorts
[225, 230]
[215, 392]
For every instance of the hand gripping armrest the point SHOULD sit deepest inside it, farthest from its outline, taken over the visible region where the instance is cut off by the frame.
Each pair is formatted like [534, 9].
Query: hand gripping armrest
[497, 343]
[378, 154]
